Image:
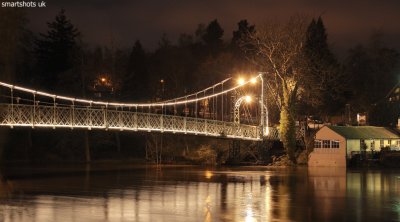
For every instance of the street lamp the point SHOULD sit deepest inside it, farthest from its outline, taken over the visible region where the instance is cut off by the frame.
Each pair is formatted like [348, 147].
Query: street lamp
[241, 81]
[247, 99]
[162, 82]
[236, 113]
[264, 109]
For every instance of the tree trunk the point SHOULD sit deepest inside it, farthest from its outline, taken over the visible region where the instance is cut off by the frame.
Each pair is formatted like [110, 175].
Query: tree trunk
[287, 122]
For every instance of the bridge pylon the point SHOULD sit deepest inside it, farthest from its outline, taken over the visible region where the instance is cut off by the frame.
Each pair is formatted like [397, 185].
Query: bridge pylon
[234, 151]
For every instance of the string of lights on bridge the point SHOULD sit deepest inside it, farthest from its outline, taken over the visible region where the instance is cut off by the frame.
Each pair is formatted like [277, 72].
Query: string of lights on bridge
[170, 102]
[49, 112]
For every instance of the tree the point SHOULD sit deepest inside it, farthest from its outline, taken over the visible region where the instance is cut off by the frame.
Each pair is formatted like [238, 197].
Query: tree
[57, 50]
[15, 57]
[174, 65]
[384, 113]
[15, 44]
[185, 40]
[325, 86]
[243, 30]
[135, 80]
[212, 36]
[277, 48]
[373, 71]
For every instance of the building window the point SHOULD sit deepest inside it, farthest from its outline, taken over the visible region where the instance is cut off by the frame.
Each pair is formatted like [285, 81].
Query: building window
[363, 146]
[372, 145]
[326, 144]
[317, 144]
[382, 143]
[335, 144]
[398, 143]
[390, 143]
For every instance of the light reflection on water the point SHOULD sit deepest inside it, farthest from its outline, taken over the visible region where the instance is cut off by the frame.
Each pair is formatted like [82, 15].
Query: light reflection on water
[196, 194]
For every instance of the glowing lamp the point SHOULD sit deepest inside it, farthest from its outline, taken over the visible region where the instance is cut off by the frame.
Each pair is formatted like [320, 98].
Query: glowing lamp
[208, 174]
[247, 99]
[240, 81]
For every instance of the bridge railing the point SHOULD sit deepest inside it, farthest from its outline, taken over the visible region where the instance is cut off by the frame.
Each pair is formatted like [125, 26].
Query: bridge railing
[103, 118]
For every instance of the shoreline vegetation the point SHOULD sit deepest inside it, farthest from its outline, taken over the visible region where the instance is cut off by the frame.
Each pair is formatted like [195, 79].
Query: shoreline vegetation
[36, 148]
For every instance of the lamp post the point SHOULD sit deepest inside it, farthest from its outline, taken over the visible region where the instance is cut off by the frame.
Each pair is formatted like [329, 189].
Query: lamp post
[236, 113]
[264, 123]
[162, 82]
[264, 109]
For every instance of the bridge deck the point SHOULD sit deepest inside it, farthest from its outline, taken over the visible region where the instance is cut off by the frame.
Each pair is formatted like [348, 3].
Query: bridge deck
[102, 118]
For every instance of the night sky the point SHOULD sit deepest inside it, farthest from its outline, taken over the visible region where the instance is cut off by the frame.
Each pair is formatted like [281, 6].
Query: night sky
[125, 21]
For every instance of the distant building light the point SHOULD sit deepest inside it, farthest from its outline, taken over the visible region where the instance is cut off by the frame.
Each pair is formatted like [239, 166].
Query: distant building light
[361, 119]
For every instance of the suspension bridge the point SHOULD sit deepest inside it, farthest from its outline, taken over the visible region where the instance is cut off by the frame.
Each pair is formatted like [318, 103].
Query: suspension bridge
[221, 110]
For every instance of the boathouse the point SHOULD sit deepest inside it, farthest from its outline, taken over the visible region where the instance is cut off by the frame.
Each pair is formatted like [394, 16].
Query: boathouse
[334, 145]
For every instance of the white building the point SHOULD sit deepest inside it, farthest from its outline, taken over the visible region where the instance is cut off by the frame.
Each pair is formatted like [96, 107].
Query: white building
[334, 145]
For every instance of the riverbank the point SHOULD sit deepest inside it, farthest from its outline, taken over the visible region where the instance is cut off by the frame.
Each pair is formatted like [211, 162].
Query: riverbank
[387, 159]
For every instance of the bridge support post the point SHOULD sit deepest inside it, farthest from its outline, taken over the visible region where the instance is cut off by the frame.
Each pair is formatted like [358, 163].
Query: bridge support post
[185, 124]
[54, 113]
[34, 111]
[120, 122]
[12, 107]
[106, 124]
[162, 123]
[205, 127]
[234, 151]
[72, 116]
[135, 121]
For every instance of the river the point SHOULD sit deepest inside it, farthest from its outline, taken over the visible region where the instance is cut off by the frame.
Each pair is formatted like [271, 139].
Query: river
[188, 193]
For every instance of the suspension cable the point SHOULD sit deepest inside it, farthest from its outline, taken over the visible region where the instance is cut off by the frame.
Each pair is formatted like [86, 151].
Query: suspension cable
[193, 94]
[126, 104]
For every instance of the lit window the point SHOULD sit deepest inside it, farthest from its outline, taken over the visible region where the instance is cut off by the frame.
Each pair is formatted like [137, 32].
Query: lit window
[382, 143]
[390, 142]
[398, 143]
[326, 144]
[363, 146]
[372, 145]
[317, 144]
[335, 144]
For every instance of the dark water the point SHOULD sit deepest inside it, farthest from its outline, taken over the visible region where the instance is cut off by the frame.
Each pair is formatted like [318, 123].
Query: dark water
[176, 194]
